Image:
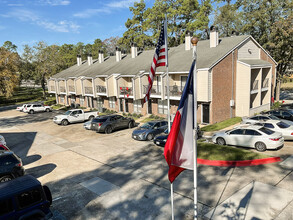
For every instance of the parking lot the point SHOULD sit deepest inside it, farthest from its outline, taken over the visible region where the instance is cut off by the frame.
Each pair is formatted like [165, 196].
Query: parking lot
[112, 176]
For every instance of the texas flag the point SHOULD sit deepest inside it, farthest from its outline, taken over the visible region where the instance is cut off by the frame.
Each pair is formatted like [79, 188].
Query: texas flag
[178, 150]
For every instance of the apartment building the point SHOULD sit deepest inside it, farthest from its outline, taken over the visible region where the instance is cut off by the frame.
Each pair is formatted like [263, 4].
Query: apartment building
[235, 77]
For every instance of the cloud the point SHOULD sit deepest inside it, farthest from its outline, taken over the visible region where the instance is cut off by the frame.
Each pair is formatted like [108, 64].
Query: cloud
[121, 4]
[29, 16]
[91, 12]
[55, 2]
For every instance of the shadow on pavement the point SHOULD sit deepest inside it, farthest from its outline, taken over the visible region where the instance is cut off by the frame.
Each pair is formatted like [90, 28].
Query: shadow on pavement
[31, 159]
[42, 170]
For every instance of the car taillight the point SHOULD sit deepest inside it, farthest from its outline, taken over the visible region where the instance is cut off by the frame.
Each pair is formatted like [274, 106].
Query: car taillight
[5, 148]
[100, 124]
[275, 139]
[19, 164]
[292, 133]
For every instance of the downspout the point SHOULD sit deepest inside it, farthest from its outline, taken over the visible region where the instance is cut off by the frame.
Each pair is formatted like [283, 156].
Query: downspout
[232, 94]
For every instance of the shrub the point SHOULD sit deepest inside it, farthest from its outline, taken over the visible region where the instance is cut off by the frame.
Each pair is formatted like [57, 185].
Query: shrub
[50, 102]
[276, 105]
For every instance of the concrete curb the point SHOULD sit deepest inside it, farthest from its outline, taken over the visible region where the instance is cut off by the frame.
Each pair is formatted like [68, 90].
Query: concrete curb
[238, 163]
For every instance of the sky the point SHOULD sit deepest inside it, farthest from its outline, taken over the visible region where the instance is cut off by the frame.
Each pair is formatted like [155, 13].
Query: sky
[62, 21]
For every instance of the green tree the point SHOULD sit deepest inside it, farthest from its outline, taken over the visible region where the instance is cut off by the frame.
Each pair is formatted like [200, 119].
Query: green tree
[10, 46]
[9, 76]
[27, 66]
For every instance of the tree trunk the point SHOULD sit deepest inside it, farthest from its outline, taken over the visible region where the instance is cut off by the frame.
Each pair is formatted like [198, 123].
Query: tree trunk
[43, 87]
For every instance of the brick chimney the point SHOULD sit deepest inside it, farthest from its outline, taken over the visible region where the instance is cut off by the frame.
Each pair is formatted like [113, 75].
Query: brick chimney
[187, 40]
[214, 37]
[101, 56]
[133, 50]
[118, 54]
[78, 60]
[89, 59]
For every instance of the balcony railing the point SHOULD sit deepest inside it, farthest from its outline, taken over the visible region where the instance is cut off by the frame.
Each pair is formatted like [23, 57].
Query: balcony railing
[265, 83]
[156, 90]
[71, 88]
[52, 88]
[254, 85]
[174, 90]
[101, 89]
[88, 90]
[125, 91]
[62, 89]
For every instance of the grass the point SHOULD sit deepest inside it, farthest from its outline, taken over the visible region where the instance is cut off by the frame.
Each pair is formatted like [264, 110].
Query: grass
[223, 124]
[152, 118]
[211, 151]
[22, 95]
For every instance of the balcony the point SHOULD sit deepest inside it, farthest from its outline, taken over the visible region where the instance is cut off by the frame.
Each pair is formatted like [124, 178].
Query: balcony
[52, 89]
[62, 89]
[71, 89]
[156, 90]
[88, 90]
[174, 90]
[125, 91]
[254, 87]
[101, 89]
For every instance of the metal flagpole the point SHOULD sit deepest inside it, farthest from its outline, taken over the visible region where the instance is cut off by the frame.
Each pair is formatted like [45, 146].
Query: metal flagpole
[168, 104]
[194, 43]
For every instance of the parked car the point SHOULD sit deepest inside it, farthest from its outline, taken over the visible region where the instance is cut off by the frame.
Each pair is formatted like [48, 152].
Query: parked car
[109, 123]
[31, 109]
[264, 117]
[10, 166]
[2, 140]
[149, 130]
[254, 136]
[282, 114]
[285, 129]
[161, 139]
[4, 148]
[25, 198]
[74, 116]
[87, 125]
[20, 108]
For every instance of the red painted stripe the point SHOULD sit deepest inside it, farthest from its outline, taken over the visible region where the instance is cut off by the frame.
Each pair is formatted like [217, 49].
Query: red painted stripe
[238, 163]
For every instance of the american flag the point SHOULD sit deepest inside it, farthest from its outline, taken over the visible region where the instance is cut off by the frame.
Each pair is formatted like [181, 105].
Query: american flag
[160, 58]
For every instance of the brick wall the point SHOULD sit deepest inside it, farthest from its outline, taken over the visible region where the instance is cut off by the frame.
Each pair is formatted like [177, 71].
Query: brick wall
[130, 105]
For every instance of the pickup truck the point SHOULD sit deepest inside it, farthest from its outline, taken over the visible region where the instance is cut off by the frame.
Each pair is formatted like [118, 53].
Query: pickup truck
[32, 108]
[74, 116]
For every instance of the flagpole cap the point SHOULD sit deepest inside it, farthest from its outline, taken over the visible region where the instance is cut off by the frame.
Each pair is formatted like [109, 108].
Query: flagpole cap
[194, 41]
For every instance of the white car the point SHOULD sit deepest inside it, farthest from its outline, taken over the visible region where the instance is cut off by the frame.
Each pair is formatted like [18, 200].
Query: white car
[87, 125]
[31, 109]
[2, 140]
[275, 125]
[20, 108]
[74, 116]
[262, 118]
[254, 136]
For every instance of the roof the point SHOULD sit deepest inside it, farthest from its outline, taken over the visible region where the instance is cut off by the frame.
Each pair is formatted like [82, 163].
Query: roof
[179, 60]
[18, 185]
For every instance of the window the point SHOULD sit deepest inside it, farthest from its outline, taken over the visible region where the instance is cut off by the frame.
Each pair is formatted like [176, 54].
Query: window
[237, 131]
[263, 118]
[28, 198]
[112, 102]
[282, 125]
[62, 99]
[137, 106]
[269, 125]
[251, 132]
[162, 107]
[266, 131]
[255, 118]
[183, 81]
[286, 114]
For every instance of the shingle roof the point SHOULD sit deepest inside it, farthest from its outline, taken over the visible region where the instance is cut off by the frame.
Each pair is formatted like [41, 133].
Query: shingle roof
[179, 60]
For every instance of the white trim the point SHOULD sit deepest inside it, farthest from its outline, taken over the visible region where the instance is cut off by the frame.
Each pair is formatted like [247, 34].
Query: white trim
[120, 76]
[114, 74]
[100, 76]
[256, 66]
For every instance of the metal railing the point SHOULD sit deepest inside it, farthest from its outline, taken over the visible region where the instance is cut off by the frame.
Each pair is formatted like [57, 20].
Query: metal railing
[71, 88]
[88, 90]
[156, 90]
[62, 89]
[125, 90]
[101, 89]
[265, 83]
[254, 85]
[52, 89]
[174, 90]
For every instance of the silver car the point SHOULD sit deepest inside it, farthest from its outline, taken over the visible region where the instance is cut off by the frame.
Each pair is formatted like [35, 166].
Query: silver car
[261, 118]
[254, 136]
[275, 125]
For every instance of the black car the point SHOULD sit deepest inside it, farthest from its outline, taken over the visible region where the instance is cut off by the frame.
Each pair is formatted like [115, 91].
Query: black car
[10, 166]
[282, 113]
[109, 123]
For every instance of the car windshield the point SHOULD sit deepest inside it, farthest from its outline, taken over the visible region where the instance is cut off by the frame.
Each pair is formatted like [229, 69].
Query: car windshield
[99, 119]
[67, 113]
[274, 117]
[283, 125]
[266, 131]
[148, 125]
[290, 110]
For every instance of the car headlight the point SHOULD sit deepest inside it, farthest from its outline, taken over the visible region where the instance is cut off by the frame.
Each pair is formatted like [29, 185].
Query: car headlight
[143, 134]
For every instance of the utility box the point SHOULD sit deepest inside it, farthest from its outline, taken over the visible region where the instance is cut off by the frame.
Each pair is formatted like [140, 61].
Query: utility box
[232, 102]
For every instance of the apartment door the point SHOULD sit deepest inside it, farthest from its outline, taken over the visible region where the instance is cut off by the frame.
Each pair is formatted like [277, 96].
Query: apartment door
[100, 104]
[206, 113]
[126, 105]
[121, 105]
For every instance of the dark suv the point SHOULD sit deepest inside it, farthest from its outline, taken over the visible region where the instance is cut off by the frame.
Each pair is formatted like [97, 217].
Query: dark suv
[10, 166]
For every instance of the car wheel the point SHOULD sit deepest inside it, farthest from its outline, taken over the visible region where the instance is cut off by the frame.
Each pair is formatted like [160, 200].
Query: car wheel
[31, 111]
[91, 118]
[5, 178]
[47, 110]
[108, 130]
[131, 124]
[64, 122]
[150, 137]
[220, 141]
[260, 146]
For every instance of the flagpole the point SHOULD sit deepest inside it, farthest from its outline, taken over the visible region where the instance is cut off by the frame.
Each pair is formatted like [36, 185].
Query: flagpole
[194, 43]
